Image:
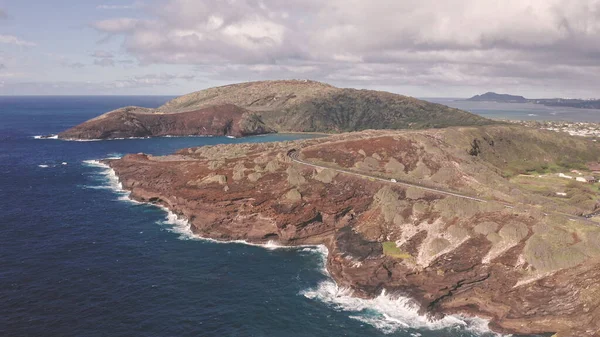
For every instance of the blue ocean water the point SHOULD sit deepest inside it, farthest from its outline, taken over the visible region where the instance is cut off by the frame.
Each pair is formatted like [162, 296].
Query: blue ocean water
[521, 111]
[78, 259]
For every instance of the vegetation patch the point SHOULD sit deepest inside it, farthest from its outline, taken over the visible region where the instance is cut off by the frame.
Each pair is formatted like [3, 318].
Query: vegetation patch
[390, 249]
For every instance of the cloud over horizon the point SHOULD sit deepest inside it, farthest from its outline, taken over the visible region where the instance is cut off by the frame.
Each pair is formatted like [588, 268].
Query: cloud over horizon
[468, 42]
[11, 39]
[136, 4]
[422, 48]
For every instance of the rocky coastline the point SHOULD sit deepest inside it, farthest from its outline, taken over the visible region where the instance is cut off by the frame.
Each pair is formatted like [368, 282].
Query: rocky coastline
[522, 268]
[135, 122]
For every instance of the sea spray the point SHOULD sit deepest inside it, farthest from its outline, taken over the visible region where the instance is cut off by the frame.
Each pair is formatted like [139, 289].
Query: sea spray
[179, 225]
[46, 137]
[390, 313]
[110, 180]
[118, 138]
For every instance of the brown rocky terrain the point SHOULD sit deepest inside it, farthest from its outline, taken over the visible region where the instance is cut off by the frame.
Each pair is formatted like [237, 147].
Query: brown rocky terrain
[218, 120]
[284, 106]
[526, 262]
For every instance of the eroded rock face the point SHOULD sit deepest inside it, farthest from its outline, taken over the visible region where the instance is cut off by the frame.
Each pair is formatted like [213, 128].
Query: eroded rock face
[128, 122]
[526, 270]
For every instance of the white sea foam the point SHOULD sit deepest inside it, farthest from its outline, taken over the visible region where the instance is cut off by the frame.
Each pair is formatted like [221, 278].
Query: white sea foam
[109, 180]
[182, 226]
[46, 137]
[120, 138]
[391, 313]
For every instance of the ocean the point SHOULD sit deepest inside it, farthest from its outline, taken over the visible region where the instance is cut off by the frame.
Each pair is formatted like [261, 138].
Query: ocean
[521, 111]
[78, 258]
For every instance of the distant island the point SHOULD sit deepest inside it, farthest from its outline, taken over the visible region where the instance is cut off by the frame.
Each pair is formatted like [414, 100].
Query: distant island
[560, 102]
[502, 98]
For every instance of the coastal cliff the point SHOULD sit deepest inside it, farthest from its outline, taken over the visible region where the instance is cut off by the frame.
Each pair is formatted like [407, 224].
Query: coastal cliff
[451, 230]
[219, 120]
[268, 106]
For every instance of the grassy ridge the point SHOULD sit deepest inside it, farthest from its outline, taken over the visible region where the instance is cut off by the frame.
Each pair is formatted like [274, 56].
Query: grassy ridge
[308, 106]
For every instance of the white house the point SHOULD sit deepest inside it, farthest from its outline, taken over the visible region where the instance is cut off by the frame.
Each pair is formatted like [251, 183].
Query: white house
[562, 175]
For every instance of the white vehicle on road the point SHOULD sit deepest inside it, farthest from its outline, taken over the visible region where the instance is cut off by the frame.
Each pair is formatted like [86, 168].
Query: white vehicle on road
[393, 180]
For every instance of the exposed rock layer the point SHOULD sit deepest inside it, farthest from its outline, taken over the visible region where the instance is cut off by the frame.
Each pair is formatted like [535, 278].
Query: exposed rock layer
[529, 268]
[221, 120]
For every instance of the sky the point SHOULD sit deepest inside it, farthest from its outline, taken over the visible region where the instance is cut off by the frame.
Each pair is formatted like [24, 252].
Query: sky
[422, 48]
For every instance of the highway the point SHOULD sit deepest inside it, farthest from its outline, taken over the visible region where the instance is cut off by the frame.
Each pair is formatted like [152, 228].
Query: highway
[293, 154]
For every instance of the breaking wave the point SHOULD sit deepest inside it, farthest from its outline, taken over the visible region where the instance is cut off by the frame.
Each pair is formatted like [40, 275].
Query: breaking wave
[108, 180]
[390, 313]
[46, 137]
[118, 138]
[64, 163]
[182, 226]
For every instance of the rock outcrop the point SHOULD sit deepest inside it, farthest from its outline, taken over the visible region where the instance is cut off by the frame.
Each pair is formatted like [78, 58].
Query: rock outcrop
[525, 261]
[219, 120]
[284, 106]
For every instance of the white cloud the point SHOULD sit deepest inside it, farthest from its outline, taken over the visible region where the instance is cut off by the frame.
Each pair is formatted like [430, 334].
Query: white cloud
[150, 80]
[118, 25]
[387, 42]
[134, 5]
[102, 54]
[10, 39]
[18, 83]
[104, 62]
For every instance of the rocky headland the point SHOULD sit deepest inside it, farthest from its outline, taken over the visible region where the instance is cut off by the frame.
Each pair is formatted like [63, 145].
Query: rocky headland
[273, 106]
[481, 246]
[218, 120]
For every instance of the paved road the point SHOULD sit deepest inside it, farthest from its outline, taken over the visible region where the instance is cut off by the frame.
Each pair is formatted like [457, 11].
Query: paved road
[293, 154]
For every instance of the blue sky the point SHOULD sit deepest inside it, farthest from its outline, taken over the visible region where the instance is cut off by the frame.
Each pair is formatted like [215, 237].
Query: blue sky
[59, 52]
[455, 48]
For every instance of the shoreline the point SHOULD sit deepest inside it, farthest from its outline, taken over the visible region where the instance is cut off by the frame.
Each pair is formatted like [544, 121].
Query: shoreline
[56, 137]
[257, 193]
[335, 296]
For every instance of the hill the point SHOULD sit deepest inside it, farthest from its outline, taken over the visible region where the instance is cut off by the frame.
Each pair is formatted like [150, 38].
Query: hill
[296, 106]
[502, 98]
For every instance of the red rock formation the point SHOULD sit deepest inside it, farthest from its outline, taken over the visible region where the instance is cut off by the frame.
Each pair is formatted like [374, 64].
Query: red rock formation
[526, 271]
[128, 122]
